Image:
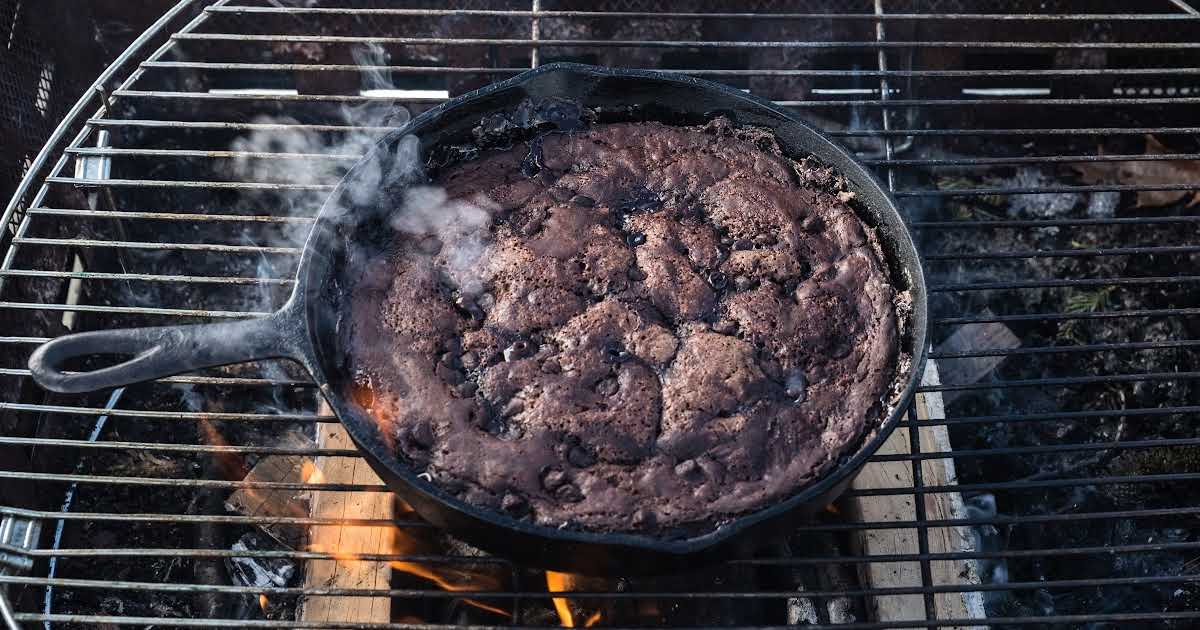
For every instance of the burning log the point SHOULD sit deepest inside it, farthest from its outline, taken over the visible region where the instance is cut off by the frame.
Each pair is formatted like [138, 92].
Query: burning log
[277, 503]
[347, 542]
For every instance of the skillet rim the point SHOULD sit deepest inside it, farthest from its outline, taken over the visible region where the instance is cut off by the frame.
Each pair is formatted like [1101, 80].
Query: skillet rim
[396, 473]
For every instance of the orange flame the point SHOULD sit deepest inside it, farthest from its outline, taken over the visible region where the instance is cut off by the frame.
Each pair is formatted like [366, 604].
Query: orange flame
[571, 611]
[404, 543]
[262, 602]
[309, 473]
[231, 465]
[364, 396]
[556, 583]
[454, 579]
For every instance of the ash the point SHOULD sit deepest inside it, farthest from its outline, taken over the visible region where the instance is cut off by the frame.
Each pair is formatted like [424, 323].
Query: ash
[1108, 398]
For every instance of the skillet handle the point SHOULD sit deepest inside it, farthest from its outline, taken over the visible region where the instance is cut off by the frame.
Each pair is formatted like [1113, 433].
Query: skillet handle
[166, 350]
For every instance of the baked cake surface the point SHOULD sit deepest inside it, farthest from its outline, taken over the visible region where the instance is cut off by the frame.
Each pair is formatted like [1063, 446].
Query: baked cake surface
[634, 327]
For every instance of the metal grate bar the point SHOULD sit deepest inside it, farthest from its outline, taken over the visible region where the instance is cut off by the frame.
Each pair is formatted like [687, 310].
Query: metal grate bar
[1063, 253]
[198, 380]
[725, 15]
[1036, 223]
[1035, 317]
[130, 310]
[1061, 415]
[941, 623]
[819, 103]
[182, 448]
[1097, 347]
[350, 128]
[732, 72]
[179, 482]
[1035, 450]
[968, 192]
[143, 277]
[1027, 131]
[822, 527]
[613, 595]
[316, 452]
[476, 560]
[161, 183]
[169, 415]
[275, 186]
[1022, 486]
[234, 126]
[233, 553]
[170, 216]
[197, 247]
[1049, 284]
[652, 43]
[185, 153]
[1036, 159]
[343, 487]
[1185, 7]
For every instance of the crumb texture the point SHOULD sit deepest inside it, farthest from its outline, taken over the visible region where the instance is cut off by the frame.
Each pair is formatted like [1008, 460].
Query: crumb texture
[667, 327]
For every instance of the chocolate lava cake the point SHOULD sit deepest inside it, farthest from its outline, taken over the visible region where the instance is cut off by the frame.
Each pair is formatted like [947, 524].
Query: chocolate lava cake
[629, 328]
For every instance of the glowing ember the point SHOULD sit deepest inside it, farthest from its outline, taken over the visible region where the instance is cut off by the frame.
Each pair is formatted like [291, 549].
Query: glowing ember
[383, 416]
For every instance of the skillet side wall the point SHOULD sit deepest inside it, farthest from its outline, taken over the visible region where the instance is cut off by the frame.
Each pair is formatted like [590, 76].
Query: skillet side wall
[347, 233]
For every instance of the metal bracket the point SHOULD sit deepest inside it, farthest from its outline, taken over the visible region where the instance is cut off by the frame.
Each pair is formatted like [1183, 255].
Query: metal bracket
[18, 534]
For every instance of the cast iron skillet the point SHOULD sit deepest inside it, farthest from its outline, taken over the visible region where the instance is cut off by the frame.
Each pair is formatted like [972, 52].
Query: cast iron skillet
[349, 228]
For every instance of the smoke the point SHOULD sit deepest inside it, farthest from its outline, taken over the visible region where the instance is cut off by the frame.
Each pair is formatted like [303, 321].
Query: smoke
[456, 228]
[288, 153]
[987, 538]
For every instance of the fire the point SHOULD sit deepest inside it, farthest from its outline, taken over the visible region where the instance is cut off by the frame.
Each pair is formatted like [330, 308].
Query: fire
[455, 579]
[564, 582]
[363, 396]
[557, 583]
[309, 473]
[393, 540]
[405, 543]
[231, 465]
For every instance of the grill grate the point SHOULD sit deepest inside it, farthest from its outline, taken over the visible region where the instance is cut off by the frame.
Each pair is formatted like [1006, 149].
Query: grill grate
[1002, 134]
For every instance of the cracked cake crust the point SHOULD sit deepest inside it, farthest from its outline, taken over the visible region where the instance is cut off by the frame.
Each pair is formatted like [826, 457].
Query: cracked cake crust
[665, 327]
